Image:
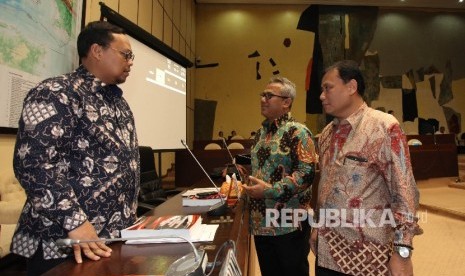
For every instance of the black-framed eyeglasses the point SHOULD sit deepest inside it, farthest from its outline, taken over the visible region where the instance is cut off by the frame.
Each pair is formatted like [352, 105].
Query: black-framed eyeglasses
[129, 55]
[269, 95]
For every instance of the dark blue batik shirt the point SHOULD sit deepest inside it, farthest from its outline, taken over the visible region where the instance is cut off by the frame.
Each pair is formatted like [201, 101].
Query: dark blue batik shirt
[76, 155]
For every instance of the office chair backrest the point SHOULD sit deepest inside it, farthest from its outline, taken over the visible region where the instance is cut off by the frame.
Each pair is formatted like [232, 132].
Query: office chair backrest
[147, 163]
[237, 137]
[212, 146]
[150, 184]
[235, 145]
[414, 142]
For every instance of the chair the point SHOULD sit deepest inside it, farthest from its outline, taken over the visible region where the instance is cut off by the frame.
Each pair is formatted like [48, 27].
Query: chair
[151, 192]
[235, 145]
[462, 139]
[414, 142]
[237, 137]
[212, 146]
[12, 198]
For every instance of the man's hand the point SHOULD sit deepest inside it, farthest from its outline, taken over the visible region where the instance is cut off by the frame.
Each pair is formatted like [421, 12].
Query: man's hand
[257, 189]
[399, 266]
[92, 250]
[312, 241]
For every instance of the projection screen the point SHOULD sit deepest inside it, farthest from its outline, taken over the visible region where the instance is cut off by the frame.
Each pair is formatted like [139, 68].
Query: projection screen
[156, 93]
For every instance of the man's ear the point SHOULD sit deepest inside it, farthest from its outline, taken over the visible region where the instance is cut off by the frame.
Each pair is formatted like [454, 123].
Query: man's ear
[96, 51]
[288, 102]
[352, 86]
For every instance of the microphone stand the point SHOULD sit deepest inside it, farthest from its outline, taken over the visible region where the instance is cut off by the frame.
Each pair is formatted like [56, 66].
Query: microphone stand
[190, 264]
[220, 208]
[434, 136]
[233, 160]
[244, 180]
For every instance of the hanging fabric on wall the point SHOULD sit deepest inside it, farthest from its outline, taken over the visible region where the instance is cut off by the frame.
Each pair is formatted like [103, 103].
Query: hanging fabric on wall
[308, 21]
[409, 105]
[453, 119]
[446, 95]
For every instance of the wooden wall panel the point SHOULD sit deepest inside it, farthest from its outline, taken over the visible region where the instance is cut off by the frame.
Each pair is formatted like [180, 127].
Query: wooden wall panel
[168, 7]
[177, 13]
[190, 6]
[176, 39]
[167, 30]
[129, 9]
[157, 20]
[144, 18]
[192, 28]
[183, 15]
[92, 11]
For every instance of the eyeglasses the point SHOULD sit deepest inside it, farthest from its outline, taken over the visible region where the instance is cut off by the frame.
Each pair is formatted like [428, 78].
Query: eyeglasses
[129, 55]
[269, 95]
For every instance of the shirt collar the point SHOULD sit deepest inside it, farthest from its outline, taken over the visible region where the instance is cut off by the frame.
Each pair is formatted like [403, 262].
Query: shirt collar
[97, 84]
[354, 119]
[277, 123]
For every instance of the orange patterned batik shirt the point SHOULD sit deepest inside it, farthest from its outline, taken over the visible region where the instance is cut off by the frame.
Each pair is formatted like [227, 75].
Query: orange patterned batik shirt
[367, 194]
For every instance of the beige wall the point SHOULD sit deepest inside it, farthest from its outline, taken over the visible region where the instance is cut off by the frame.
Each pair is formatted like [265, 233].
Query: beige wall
[227, 34]
[7, 143]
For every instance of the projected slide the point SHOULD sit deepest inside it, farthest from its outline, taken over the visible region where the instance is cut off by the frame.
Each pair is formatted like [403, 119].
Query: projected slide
[156, 92]
[169, 75]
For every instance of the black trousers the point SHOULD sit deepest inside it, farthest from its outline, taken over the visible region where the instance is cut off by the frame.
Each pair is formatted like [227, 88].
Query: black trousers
[285, 254]
[37, 265]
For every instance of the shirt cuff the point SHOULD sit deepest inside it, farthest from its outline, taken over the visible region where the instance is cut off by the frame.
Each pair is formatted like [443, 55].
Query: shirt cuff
[75, 220]
[269, 192]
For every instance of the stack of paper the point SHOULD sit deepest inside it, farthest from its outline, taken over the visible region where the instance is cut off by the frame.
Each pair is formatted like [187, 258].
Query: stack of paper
[167, 229]
[200, 197]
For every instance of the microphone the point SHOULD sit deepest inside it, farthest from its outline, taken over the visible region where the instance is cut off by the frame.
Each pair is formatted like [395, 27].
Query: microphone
[233, 160]
[434, 135]
[190, 264]
[221, 207]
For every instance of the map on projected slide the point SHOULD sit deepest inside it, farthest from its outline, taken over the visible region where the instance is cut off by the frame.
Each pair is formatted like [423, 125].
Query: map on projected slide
[37, 41]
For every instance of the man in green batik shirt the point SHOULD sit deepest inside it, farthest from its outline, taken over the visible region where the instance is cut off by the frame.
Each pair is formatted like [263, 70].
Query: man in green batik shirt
[283, 167]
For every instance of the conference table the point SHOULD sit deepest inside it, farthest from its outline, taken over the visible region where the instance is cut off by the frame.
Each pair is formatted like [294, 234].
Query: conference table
[154, 259]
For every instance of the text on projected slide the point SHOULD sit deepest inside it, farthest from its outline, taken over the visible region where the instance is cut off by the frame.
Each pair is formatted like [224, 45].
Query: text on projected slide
[170, 76]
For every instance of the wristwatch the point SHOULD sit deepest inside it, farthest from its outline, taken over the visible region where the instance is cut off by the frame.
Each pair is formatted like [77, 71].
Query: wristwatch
[403, 251]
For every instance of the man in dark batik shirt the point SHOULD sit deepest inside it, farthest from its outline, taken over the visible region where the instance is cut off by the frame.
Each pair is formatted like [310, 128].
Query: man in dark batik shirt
[283, 167]
[76, 155]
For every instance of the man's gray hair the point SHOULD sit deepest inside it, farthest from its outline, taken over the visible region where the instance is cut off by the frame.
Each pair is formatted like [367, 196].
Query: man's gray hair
[288, 86]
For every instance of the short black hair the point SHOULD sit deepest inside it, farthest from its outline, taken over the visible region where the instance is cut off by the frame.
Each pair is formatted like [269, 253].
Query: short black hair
[100, 32]
[349, 70]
